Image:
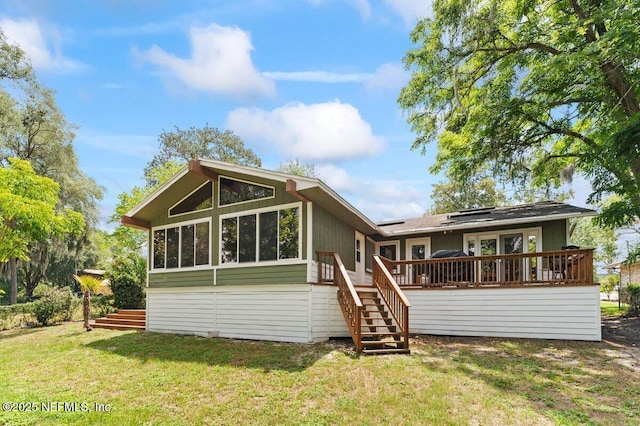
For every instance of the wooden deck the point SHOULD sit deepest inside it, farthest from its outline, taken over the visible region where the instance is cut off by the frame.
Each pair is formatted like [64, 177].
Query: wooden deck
[561, 267]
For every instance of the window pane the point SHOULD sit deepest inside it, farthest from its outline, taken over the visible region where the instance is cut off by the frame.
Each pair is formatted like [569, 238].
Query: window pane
[172, 247]
[187, 256]
[289, 231]
[247, 237]
[158, 249]
[388, 251]
[201, 199]
[202, 243]
[269, 236]
[229, 243]
[233, 191]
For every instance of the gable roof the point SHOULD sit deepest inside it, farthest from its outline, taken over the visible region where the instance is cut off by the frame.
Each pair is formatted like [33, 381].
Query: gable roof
[315, 190]
[485, 217]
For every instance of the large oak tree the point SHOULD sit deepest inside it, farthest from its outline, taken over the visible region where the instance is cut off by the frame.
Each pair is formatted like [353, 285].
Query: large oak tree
[531, 88]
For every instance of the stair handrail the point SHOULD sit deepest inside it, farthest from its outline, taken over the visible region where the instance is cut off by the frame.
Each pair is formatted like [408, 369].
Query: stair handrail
[393, 296]
[349, 301]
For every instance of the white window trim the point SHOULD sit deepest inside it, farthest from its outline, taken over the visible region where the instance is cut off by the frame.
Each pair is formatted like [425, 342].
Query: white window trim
[189, 195]
[179, 268]
[389, 243]
[257, 212]
[410, 241]
[477, 236]
[243, 181]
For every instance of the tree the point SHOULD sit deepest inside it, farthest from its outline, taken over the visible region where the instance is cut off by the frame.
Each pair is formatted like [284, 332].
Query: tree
[295, 167]
[33, 128]
[585, 232]
[530, 89]
[28, 213]
[183, 145]
[88, 285]
[451, 196]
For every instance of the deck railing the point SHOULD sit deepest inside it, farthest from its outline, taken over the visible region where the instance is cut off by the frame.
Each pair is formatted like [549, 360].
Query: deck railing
[561, 267]
[394, 298]
[331, 269]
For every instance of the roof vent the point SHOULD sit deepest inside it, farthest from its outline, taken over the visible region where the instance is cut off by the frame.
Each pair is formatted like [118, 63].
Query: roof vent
[471, 212]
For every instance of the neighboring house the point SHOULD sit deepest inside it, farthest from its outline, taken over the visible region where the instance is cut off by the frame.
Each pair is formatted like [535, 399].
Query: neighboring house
[243, 252]
[629, 272]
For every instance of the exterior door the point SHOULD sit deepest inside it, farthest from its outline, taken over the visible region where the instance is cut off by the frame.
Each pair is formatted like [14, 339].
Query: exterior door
[511, 244]
[489, 268]
[418, 249]
[360, 258]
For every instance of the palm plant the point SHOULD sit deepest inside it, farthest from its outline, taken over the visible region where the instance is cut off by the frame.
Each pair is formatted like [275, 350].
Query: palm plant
[88, 284]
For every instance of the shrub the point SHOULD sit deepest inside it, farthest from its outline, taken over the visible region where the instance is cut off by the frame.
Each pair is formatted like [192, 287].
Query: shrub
[55, 305]
[101, 306]
[631, 295]
[16, 315]
[128, 276]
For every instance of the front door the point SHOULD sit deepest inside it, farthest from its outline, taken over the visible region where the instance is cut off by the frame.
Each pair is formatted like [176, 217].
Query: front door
[360, 258]
[512, 244]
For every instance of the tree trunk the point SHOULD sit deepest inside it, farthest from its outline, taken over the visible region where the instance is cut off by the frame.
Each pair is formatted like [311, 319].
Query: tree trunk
[86, 309]
[13, 293]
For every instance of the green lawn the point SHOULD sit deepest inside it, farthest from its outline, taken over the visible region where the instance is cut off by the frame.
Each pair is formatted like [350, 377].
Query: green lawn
[610, 309]
[150, 378]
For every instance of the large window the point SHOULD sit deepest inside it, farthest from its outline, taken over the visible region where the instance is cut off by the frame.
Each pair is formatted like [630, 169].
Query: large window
[261, 236]
[181, 246]
[234, 191]
[200, 199]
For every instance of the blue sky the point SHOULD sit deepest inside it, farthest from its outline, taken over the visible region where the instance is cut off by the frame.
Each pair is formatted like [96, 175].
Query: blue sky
[314, 80]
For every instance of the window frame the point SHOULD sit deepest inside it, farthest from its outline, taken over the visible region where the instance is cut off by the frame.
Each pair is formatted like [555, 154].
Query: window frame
[257, 212]
[273, 188]
[179, 225]
[526, 233]
[189, 195]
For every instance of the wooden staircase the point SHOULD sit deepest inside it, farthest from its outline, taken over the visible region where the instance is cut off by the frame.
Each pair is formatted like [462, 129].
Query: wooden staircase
[123, 319]
[378, 332]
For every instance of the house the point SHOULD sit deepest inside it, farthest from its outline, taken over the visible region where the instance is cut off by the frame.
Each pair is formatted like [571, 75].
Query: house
[243, 252]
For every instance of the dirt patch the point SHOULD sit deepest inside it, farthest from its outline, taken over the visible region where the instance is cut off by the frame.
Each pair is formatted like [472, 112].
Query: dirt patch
[622, 331]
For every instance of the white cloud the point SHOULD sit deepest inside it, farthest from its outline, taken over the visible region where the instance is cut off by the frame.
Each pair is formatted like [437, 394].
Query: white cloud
[43, 45]
[336, 178]
[318, 76]
[411, 10]
[363, 6]
[323, 131]
[220, 63]
[388, 77]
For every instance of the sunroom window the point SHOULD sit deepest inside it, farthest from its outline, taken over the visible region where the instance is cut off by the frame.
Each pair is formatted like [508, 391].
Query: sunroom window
[182, 246]
[261, 236]
[234, 191]
[200, 199]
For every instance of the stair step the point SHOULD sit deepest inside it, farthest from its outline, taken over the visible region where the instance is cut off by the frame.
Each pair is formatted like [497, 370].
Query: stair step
[142, 312]
[122, 321]
[126, 316]
[118, 326]
[385, 351]
[380, 333]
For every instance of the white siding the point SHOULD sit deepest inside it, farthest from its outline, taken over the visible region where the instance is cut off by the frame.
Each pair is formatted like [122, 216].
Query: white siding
[327, 318]
[265, 312]
[562, 312]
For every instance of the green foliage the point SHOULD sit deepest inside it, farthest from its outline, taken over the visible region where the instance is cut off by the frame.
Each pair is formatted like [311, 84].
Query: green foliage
[88, 282]
[631, 295]
[16, 315]
[127, 275]
[587, 232]
[532, 91]
[181, 146]
[451, 196]
[295, 167]
[101, 306]
[55, 305]
[28, 210]
[609, 283]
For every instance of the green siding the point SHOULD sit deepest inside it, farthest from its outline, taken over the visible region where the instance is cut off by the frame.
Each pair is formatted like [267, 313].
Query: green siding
[273, 274]
[332, 234]
[553, 236]
[198, 278]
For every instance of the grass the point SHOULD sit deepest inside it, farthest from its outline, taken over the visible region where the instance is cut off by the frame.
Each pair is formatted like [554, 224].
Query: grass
[150, 378]
[610, 309]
